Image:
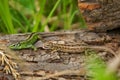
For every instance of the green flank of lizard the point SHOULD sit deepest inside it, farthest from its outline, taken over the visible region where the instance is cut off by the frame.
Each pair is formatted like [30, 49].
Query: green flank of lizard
[28, 43]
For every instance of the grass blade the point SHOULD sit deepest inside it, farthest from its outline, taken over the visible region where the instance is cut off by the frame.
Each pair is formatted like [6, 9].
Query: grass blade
[6, 16]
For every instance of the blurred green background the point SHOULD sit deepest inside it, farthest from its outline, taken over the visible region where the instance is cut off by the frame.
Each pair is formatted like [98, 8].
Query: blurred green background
[21, 16]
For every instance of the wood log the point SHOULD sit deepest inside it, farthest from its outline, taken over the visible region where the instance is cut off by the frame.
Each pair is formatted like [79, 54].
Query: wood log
[36, 65]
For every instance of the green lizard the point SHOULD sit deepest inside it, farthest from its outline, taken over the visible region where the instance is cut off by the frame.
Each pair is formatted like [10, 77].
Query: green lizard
[28, 43]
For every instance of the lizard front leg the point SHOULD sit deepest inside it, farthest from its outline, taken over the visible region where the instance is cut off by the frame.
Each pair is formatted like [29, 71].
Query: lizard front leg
[33, 47]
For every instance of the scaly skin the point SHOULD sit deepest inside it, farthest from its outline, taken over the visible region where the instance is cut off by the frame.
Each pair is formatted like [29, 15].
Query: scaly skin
[74, 48]
[28, 43]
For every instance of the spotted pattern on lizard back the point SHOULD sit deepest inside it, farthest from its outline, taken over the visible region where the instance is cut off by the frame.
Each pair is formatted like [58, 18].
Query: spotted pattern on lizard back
[74, 48]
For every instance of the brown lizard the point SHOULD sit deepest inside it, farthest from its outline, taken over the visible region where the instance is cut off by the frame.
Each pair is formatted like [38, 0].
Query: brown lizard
[74, 48]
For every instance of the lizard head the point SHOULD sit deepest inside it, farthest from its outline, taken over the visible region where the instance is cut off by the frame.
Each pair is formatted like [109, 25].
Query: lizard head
[15, 46]
[47, 45]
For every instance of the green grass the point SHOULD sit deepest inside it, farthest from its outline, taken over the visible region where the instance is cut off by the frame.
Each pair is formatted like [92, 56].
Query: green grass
[6, 17]
[50, 15]
[97, 69]
[21, 16]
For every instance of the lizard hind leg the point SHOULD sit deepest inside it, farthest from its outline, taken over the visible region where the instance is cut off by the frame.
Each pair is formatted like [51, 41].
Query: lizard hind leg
[89, 52]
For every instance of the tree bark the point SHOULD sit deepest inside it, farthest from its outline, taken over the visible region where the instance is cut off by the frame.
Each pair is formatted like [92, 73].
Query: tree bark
[101, 15]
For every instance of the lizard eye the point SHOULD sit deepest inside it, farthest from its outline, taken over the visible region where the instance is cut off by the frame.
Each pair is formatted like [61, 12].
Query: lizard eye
[14, 45]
